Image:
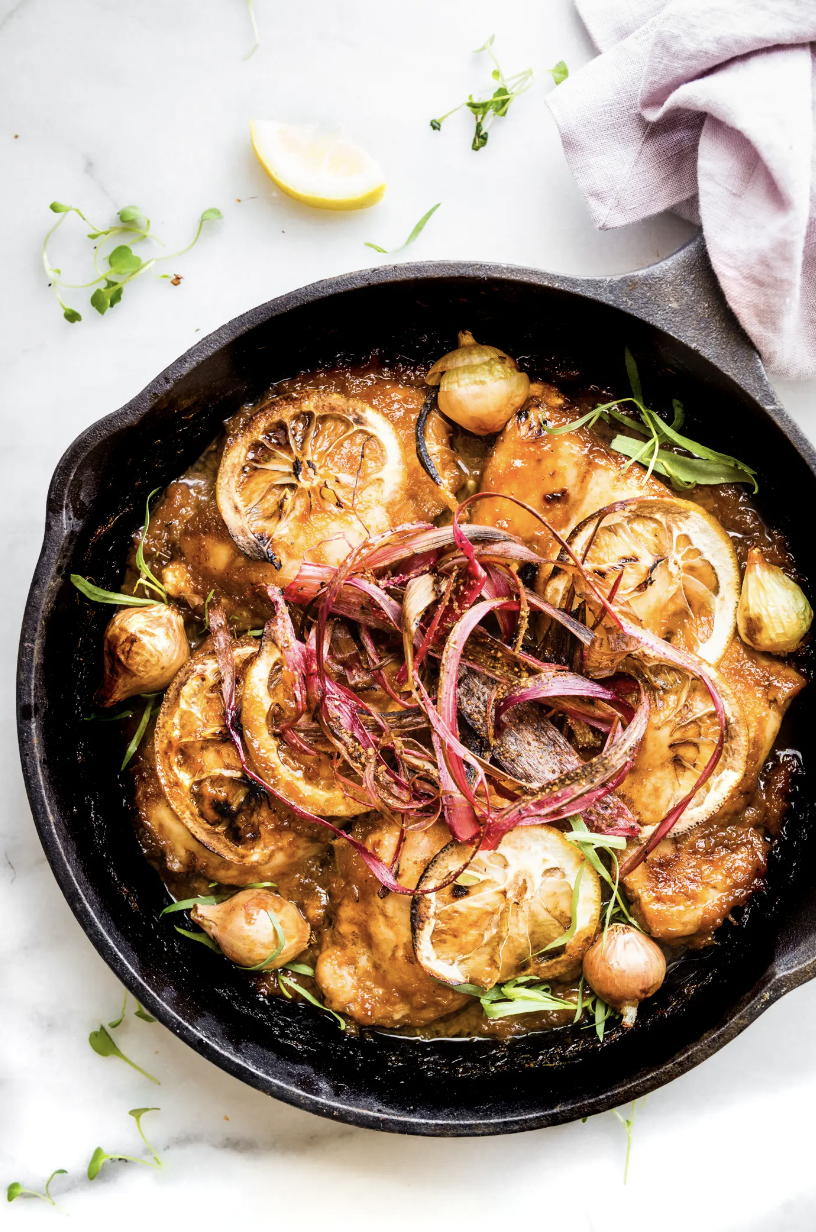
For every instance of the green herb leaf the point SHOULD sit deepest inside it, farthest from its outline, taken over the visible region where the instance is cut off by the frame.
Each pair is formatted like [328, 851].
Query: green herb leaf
[559, 72]
[131, 213]
[139, 1012]
[684, 472]
[149, 710]
[436, 125]
[299, 968]
[634, 375]
[100, 300]
[202, 937]
[145, 576]
[264, 963]
[99, 1156]
[96, 595]
[96, 1162]
[570, 933]
[416, 231]
[71, 315]
[211, 215]
[58, 208]
[204, 900]
[104, 1046]
[311, 999]
[15, 1189]
[117, 1022]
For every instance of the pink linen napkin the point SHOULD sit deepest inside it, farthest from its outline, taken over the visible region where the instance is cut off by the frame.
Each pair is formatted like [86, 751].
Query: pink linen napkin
[706, 107]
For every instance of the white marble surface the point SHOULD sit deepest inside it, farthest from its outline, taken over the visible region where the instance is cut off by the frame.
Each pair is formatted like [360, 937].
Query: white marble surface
[117, 102]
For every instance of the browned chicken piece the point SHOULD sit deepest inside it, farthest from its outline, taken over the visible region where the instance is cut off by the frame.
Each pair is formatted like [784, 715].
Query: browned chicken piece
[367, 967]
[565, 477]
[685, 889]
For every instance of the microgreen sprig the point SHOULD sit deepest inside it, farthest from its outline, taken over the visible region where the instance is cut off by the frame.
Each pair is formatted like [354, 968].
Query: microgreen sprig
[146, 577]
[486, 109]
[16, 1190]
[416, 231]
[99, 1156]
[707, 466]
[123, 265]
[627, 1123]
[138, 1013]
[559, 72]
[103, 1044]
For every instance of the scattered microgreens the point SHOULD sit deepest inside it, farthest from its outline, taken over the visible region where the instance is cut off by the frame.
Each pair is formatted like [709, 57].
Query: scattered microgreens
[524, 995]
[123, 264]
[627, 1123]
[255, 31]
[707, 466]
[416, 231]
[138, 1013]
[103, 1044]
[118, 1021]
[483, 110]
[286, 984]
[559, 72]
[152, 708]
[593, 1004]
[99, 1156]
[15, 1189]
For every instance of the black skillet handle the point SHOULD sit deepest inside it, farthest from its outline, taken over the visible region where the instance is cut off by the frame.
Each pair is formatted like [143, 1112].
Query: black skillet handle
[681, 295]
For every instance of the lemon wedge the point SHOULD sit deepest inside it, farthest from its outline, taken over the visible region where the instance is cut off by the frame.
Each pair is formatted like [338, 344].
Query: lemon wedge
[321, 169]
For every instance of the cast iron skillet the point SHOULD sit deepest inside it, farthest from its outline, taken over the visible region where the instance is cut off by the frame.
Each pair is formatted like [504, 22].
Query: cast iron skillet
[688, 346]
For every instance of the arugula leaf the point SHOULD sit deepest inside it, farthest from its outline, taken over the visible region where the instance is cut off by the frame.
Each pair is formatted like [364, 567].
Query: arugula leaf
[15, 1189]
[104, 1046]
[416, 231]
[559, 72]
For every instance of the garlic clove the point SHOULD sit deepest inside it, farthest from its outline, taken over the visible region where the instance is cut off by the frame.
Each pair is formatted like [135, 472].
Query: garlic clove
[143, 650]
[623, 968]
[773, 613]
[244, 928]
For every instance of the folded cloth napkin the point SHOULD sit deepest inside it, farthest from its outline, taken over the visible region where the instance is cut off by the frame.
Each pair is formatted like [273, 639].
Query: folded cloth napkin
[706, 107]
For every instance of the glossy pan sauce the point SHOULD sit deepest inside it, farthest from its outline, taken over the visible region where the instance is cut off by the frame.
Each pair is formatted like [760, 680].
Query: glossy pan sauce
[682, 894]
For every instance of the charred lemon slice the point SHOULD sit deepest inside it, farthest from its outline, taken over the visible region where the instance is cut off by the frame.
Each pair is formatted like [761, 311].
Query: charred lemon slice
[679, 576]
[516, 901]
[307, 781]
[309, 473]
[199, 769]
[680, 738]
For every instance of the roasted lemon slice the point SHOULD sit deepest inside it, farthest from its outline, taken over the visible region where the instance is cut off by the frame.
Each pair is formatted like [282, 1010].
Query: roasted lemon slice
[201, 774]
[309, 473]
[516, 901]
[307, 781]
[680, 738]
[679, 576]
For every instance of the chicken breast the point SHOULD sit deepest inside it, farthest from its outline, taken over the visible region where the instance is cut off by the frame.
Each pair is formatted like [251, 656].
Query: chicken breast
[685, 889]
[367, 967]
[565, 477]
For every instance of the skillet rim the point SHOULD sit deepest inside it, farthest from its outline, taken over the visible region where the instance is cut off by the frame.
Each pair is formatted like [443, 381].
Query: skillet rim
[636, 294]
